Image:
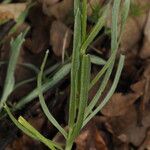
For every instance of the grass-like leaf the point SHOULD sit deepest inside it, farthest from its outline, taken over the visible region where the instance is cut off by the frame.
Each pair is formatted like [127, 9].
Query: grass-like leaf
[50, 144]
[29, 130]
[80, 112]
[57, 77]
[17, 123]
[114, 28]
[110, 93]
[10, 81]
[54, 80]
[97, 60]
[103, 70]
[84, 19]
[110, 63]
[6, 1]
[75, 66]
[42, 101]
[26, 65]
[124, 15]
[95, 30]
[84, 89]
[22, 17]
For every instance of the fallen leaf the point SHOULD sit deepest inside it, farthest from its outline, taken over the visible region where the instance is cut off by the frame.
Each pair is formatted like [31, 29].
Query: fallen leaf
[12, 10]
[60, 37]
[93, 4]
[146, 144]
[145, 51]
[48, 2]
[59, 10]
[91, 138]
[138, 87]
[131, 35]
[119, 104]
[128, 126]
[39, 39]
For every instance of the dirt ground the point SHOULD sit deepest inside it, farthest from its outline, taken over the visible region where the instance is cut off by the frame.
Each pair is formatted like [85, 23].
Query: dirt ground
[124, 123]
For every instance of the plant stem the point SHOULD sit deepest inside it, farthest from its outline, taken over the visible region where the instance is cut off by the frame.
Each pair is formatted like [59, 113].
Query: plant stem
[69, 146]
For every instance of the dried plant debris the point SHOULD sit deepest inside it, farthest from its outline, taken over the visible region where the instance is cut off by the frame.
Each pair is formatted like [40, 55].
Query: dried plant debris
[124, 123]
[58, 9]
[60, 37]
[119, 104]
[92, 137]
[39, 37]
[145, 50]
[11, 11]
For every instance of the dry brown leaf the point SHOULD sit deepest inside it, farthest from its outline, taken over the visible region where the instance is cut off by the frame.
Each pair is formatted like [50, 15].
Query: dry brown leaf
[11, 10]
[92, 4]
[92, 138]
[145, 51]
[59, 10]
[146, 76]
[146, 94]
[81, 140]
[131, 34]
[119, 104]
[39, 39]
[48, 2]
[130, 70]
[4, 16]
[24, 143]
[60, 37]
[129, 125]
[146, 144]
[138, 87]
[133, 28]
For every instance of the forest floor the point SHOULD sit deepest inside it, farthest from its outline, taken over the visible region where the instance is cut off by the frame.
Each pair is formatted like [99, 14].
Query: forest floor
[124, 123]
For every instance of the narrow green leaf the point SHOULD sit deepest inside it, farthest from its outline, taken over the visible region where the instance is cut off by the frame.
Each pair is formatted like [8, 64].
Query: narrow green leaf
[85, 80]
[97, 60]
[42, 101]
[110, 63]
[84, 19]
[124, 15]
[105, 67]
[24, 126]
[84, 89]
[125, 11]
[10, 81]
[46, 72]
[21, 83]
[75, 66]
[27, 65]
[22, 17]
[50, 144]
[27, 132]
[57, 77]
[6, 1]
[110, 93]
[105, 80]
[114, 28]
[95, 30]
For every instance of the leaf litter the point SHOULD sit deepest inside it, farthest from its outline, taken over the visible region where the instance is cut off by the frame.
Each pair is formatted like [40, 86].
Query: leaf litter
[124, 123]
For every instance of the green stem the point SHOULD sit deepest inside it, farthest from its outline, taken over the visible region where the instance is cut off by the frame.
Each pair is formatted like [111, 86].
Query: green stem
[69, 146]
